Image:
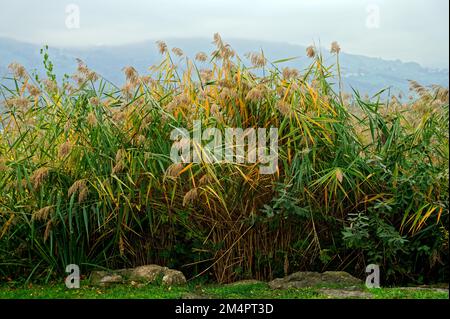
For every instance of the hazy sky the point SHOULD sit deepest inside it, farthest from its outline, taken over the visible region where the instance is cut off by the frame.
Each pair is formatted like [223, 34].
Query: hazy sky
[411, 30]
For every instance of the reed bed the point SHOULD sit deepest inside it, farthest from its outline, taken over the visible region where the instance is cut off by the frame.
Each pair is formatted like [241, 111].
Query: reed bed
[86, 178]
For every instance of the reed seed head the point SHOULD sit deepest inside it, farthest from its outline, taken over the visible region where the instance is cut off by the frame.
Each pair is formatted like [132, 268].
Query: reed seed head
[256, 94]
[65, 148]
[42, 214]
[91, 119]
[18, 70]
[174, 170]
[190, 197]
[335, 48]
[178, 52]
[201, 57]
[80, 187]
[257, 59]
[310, 52]
[38, 176]
[162, 47]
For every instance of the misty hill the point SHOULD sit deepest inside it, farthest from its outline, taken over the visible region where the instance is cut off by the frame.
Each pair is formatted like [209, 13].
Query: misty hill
[365, 74]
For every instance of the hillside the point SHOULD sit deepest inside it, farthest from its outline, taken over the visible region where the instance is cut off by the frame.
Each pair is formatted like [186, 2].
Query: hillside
[366, 74]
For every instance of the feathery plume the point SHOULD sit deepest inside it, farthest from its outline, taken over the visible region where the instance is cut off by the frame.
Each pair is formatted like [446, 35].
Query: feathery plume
[48, 228]
[174, 170]
[131, 74]
[205, 180]
[178, 52]
[257, 59]
[255, 94]
[162, 46]
[91, 119]
[289, 73]
[335, 48]
[18, 102]
[190, 197]
[310, 52]
[33, 90]
[80, 187]
[201, 57]
[18, 70]
[284, 107]
[42, 214]
[38, 176]
[64, 148]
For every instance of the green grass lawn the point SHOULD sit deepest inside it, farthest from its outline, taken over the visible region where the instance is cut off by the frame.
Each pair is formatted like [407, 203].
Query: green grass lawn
[252, 291]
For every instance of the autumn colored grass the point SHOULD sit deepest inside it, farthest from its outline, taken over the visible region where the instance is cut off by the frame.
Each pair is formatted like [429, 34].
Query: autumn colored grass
[86, 178]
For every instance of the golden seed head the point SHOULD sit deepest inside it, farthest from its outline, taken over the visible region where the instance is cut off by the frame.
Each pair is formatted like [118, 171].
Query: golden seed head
[128, 90]
[50, 86]
[118, 115]
[83, 194]
[147, 79]
[140, 139]
[205, 180]
[255, 94]
[217, 40]
[214, 109]
[335, 48]
[118, 168]
[190, 197]
[206, 75]
[38, 176]
[228, 94]
[3, 167]
[18, 70]
[310, 52]
[48, 228]
[42, 214]
[174, 170]
[121, 155]
[94, 101]
[162, 46]
[201, 56]
[131, 74]
[289, 73]
[257, 59]
[33, 90]
[91, 119]
[79, 186]
[82, 67]
[18, 102]
[178, 52]
[284, 107]
[65, 149]
[92, 76]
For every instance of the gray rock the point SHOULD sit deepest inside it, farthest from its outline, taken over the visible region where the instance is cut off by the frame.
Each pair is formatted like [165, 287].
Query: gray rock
[142, 274]
[96, 276]
[104, 278]
[313, 279]
[173, 277]
[148, 273]
[111, 279]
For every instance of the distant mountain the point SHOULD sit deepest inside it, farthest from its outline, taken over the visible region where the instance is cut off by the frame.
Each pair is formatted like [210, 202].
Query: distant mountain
[365, 74]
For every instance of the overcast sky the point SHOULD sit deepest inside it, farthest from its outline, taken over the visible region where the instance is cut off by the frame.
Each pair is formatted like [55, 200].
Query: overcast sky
[410, 30]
